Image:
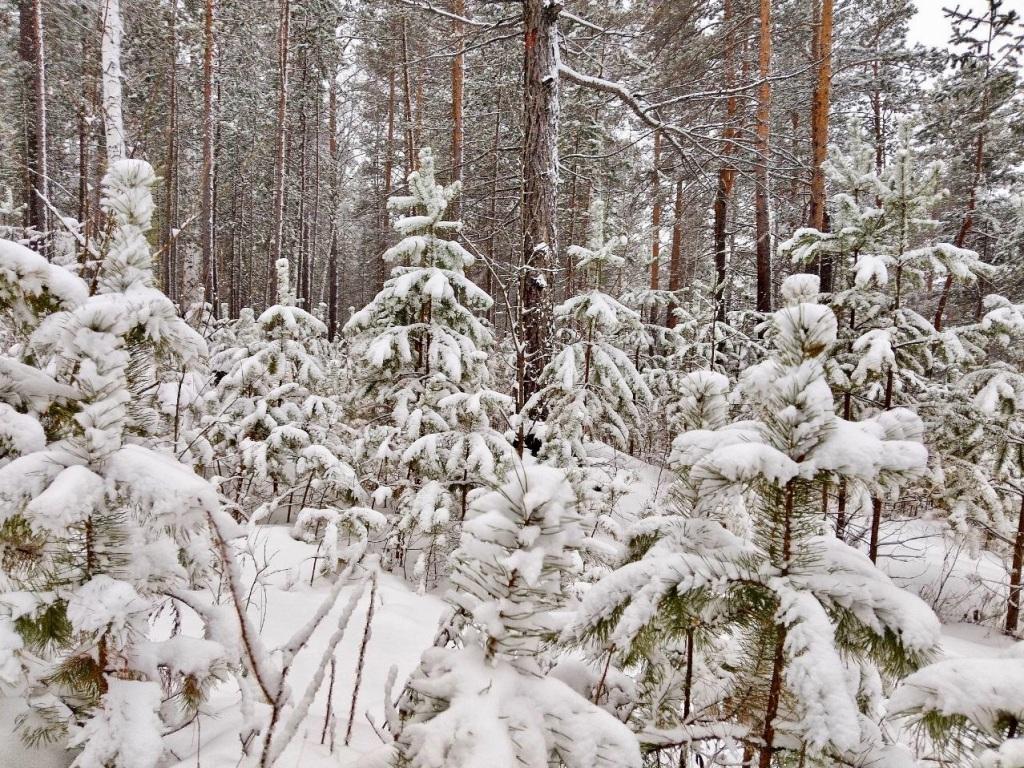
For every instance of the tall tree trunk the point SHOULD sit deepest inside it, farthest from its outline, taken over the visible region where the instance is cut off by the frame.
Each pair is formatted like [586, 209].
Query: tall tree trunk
[1013, 603]
[206, 205]
[458, 83]
[779, 659]
[492, 205]
[277, 234]
[774, 698]
[726, 172]
[761, 219]
[540, 186]
[876, 117]
[656, 223]
[820, 103]
[389, 161]
[301, 250]
[113, 117]
[32, 52]
[168, 271]
[314, 231]
[675, 261]
[410, 137]
[332, 256]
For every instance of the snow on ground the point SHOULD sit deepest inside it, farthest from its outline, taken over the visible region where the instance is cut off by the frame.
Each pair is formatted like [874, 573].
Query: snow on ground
[652, 482]
[959, 585]
[403, 626]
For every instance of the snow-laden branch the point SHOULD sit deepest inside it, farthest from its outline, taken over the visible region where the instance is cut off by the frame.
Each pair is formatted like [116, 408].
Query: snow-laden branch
[278, 738]
[672, 133]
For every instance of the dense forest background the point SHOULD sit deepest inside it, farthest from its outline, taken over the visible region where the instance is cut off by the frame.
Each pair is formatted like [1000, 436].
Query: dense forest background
[283, 128]
[657, 367]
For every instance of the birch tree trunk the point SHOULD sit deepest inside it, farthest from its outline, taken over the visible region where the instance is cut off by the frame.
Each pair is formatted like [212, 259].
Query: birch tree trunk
[110, 57]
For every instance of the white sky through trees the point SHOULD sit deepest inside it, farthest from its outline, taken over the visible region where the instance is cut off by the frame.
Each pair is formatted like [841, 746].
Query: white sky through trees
[930, 26]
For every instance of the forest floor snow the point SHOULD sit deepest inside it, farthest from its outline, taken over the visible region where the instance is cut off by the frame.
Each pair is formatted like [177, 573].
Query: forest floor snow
[917, 556]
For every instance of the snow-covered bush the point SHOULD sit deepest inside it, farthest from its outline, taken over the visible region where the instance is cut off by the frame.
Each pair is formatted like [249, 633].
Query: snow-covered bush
[433, 430]
[106, 526]
[274, 430]
[804, 627]
[479, 697]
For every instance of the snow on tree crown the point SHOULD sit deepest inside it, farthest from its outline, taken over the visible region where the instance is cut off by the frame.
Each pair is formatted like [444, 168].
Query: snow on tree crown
[425, 232]
[129, 201]
[284, 289]
[806, 330]
[598, 253]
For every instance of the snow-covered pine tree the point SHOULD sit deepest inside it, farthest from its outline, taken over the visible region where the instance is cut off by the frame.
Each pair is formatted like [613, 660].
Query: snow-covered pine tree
[280, 450]
[30, 289]
[432, 428]
[107, 526]
[969, 709]
[979, 426]
[591, 389]
[479, 697]
[882, 249]
[812, 624]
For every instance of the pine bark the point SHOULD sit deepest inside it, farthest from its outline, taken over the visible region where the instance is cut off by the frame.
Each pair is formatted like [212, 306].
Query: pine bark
[1013, 603]
[168, 270]
[540, 186]
[410, 136]
[727, 171]
[675, 261]
[389, 167]
[820, 104]
[656, 223]
[32, 52]
[332, 256]
[761, 218]
[458, 95]
[206, 204]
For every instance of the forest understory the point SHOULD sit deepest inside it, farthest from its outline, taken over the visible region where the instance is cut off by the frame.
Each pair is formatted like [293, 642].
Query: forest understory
[533, 384]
